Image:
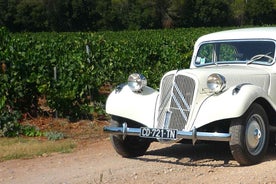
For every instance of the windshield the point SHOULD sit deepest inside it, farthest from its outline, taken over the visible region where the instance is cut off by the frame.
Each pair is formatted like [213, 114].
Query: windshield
[238, 51]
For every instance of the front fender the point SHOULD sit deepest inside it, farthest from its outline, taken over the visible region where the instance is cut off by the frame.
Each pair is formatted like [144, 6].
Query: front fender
[228, 104]
[139, 107]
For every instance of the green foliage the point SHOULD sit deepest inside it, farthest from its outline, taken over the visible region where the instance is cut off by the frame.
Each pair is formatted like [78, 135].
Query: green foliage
[257, 16]
[212, 13]
[30, 131]
[68, 69]
[54, 135]
[115, 15]
[31, 15]
[98, 107]
[9, 125]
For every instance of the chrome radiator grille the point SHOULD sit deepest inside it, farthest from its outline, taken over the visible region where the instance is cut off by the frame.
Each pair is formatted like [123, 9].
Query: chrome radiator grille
[176, 98]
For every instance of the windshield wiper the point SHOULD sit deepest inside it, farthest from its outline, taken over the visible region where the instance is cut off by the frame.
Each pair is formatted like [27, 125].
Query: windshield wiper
[259, 56]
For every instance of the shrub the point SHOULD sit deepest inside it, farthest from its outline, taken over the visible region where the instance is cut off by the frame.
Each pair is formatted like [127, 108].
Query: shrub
[9, 125]
[31, 131]
[54, 135]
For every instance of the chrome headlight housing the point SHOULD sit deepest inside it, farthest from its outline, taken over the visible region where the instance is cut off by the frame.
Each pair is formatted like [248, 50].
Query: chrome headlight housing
[136, 82]
[216, 82]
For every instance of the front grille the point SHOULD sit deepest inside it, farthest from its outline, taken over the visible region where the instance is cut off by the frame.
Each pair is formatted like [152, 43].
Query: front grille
[176, 98]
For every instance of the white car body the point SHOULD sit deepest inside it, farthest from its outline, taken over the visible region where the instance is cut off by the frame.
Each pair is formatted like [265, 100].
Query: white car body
[247, 81]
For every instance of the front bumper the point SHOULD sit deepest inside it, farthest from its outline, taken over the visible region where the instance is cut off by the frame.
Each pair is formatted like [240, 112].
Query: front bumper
[192, 135]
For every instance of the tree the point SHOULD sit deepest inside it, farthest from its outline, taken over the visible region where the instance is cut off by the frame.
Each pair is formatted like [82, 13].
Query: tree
[3, 11]
[31, 15]
[238, 8]
[7, 12]
[95, 15]
[59, 13]
[211, 13]
[182, 12]
[99, 14]
[260, 12]
[84, 16]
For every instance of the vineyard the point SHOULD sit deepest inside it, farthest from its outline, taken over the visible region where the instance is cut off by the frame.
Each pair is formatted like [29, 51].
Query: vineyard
[69, 73]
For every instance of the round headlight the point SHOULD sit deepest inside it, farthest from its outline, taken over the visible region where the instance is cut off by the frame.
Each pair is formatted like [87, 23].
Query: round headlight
[216, 82]
[136, 81]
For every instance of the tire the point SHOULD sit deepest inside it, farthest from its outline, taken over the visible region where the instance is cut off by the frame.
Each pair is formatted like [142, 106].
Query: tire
[130, 146]
[250, 136]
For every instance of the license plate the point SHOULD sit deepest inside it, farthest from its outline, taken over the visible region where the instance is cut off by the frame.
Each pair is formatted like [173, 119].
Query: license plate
[158, 133]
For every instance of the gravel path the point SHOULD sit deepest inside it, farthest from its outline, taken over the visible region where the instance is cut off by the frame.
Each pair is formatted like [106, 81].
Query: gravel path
[163, 163]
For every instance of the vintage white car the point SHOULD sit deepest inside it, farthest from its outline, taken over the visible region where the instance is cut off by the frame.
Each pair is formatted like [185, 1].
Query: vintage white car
[227, 94]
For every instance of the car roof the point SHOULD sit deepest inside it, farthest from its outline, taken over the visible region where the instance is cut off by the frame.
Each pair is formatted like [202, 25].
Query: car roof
[244, 33]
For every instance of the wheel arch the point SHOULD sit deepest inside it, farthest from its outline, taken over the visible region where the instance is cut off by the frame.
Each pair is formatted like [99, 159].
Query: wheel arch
[234, 105]
[128, 146]
[130, 122]
[270, 111]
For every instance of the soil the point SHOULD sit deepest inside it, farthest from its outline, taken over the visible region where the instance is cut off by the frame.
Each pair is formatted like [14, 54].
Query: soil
[95, 161]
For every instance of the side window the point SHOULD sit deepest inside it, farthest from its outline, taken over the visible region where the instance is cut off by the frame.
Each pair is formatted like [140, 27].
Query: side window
[204, 55]
[227, 53]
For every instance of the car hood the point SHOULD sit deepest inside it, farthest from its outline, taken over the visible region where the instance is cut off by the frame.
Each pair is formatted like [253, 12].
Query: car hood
[234, 75]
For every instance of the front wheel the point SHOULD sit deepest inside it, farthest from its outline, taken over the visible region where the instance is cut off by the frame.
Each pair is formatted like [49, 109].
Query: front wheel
[130, 146]
[249, 136]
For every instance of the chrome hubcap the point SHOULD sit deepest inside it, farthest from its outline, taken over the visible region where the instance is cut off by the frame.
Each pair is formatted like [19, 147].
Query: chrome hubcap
[255, 134]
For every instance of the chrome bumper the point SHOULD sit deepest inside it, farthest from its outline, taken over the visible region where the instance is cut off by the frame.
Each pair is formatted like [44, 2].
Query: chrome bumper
[192, 135]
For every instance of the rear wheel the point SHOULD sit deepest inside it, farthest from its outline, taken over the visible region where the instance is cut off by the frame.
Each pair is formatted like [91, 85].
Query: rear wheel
[130, 146]
[250, 136]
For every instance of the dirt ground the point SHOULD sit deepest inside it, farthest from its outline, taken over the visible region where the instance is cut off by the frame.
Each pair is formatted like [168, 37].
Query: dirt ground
[95, 161]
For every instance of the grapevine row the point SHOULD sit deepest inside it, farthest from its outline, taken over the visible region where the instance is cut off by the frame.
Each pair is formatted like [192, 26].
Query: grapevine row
[68, 69]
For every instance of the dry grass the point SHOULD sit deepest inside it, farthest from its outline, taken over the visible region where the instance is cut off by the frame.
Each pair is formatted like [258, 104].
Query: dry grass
[77, 135]
[19, 147]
